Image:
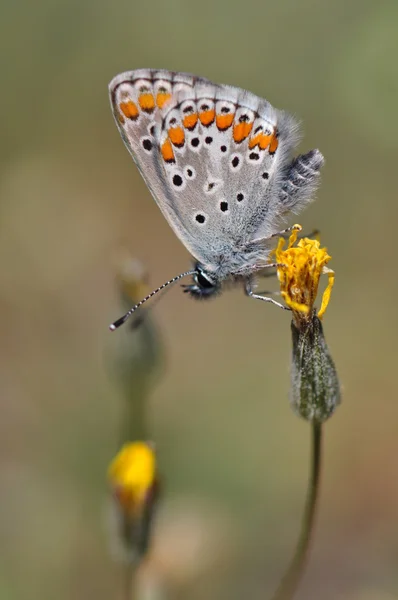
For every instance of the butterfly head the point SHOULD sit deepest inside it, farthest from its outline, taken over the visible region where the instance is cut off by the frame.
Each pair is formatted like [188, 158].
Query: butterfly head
[205, 284]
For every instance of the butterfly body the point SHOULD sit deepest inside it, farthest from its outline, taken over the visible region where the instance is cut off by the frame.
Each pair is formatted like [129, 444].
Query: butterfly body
[218, 161]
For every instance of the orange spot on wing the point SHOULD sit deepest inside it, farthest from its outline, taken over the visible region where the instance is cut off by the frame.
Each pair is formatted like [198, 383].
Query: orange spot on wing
[190, 121]
[274, 143]
[255, 141]
[147, 102]
[167, 151]
[224, 121]
[207, 117]
[241, 131]
[261, 140]
[129, 109]
[177, 136]
[162, 98]
[265, 141]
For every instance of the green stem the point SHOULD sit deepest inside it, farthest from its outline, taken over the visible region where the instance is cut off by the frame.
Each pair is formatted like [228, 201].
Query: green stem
[291, 579]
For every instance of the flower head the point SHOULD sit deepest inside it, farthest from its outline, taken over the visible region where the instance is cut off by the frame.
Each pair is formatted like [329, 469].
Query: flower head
[300, 268]
[315, 388]
[132, 475]
[134, 482]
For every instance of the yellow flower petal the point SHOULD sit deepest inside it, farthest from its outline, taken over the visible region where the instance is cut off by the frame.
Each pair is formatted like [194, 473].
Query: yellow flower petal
[327, 292]
[132, 473]
[301, 267]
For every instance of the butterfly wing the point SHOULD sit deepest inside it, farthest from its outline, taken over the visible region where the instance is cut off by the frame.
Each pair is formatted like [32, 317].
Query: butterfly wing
[214, 157]
[137, 98]
[229, 151]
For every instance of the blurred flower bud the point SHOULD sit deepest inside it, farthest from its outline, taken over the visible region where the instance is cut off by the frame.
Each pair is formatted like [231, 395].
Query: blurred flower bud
[134, 483]
[134, 355]
[139, 343]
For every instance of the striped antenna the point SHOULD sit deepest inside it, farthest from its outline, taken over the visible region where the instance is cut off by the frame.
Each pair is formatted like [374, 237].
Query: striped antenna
[124, 318]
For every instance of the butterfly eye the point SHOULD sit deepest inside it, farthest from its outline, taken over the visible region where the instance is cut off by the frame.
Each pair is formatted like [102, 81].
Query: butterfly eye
[205, 284]
[202, 280]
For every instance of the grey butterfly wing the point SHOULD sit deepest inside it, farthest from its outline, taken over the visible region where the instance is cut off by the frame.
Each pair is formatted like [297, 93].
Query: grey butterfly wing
[230, 151]
[137, 98]
[216, 159]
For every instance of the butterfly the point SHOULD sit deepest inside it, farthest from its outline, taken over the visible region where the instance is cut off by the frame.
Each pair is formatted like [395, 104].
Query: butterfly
[218, 161]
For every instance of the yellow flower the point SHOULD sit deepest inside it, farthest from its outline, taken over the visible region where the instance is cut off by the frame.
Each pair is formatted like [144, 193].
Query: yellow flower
[299, 273]
[132, 475]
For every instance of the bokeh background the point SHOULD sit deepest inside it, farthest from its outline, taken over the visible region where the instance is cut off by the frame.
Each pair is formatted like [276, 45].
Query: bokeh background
[233, 456]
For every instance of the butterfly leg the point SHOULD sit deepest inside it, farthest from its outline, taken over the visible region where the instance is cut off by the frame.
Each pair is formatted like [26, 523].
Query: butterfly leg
[300, 236]
[250, 292]
[284, 231]
[277, 234]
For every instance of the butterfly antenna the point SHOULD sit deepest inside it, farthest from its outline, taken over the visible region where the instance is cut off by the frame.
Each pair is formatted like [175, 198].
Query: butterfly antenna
[128, 314]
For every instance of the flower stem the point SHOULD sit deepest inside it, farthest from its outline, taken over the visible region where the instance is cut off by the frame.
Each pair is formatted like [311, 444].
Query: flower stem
[129, 581]
[290, 580]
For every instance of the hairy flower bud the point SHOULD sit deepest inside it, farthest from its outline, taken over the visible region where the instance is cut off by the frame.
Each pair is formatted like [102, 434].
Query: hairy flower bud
[315, 389]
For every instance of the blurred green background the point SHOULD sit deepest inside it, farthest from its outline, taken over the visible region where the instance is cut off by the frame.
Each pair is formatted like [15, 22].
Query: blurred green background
[233, 455]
